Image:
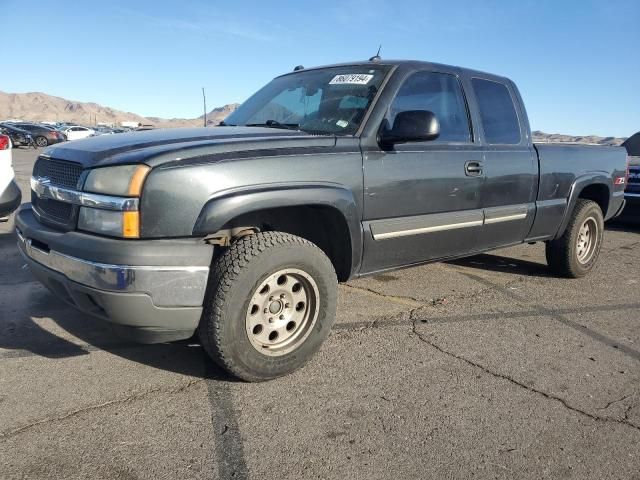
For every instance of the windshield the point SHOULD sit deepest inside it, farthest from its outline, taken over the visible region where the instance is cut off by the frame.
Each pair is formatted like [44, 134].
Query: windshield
[329, 101]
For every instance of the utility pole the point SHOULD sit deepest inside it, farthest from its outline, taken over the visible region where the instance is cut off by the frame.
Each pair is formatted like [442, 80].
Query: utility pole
[204, 103]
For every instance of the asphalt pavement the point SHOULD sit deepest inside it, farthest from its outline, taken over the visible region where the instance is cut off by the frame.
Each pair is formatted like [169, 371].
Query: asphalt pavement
[486, 367]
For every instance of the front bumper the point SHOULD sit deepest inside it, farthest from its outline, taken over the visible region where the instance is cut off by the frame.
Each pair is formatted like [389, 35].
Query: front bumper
[153, 297]
[10, 199]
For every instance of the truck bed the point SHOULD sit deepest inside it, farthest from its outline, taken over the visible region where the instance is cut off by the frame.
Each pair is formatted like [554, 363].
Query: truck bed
[562, 164]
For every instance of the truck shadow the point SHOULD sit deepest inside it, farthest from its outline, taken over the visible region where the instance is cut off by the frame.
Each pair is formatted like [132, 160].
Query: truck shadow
[18, 292]
[95, 335]
[496, 263]
[31, 316]
[623, 226]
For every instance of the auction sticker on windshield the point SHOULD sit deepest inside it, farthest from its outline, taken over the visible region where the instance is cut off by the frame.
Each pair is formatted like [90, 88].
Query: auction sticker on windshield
[351, 79]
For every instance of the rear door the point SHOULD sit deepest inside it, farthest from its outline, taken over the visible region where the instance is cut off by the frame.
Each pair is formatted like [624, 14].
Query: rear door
[422, 199]
[510, 163]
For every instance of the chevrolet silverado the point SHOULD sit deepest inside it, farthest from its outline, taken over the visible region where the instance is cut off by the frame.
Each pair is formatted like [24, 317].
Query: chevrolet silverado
[242, 232]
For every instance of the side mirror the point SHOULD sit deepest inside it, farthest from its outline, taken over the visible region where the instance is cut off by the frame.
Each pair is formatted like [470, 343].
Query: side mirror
[411, 126]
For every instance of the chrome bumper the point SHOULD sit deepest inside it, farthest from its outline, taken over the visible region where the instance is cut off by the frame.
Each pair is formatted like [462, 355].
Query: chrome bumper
[168, 286]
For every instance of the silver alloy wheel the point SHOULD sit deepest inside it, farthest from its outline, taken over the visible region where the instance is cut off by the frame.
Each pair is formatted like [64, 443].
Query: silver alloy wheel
[41, 141]
[587, 240]
[282, 312]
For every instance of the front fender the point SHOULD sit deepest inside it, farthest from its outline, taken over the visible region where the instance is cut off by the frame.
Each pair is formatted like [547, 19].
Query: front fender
[227, 205]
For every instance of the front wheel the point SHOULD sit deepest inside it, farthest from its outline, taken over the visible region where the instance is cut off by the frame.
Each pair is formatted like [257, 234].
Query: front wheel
[575, 253]
[270, 304]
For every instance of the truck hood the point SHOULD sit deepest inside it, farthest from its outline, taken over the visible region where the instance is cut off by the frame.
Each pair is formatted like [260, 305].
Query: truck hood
[175, 145]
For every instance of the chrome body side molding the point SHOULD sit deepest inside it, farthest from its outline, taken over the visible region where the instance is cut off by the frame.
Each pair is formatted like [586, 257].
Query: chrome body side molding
[439, 222]
[505, 214]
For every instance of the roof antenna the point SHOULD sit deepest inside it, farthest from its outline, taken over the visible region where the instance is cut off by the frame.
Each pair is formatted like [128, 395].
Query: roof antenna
[376, 57]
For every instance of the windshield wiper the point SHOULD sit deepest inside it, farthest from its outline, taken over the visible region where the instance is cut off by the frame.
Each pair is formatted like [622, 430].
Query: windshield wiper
[275, 124]
[223, 124]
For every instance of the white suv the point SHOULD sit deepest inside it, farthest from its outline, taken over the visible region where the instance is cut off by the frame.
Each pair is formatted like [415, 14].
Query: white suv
[10, 196]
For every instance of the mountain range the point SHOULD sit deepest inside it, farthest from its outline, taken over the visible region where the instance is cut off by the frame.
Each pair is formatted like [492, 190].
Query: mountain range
[40, 107]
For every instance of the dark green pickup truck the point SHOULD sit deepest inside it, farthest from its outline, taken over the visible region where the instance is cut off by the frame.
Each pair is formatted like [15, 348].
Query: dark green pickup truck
[242, 232]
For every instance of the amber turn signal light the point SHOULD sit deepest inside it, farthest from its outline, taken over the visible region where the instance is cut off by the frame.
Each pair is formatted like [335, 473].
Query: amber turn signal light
[137, 180]
[131, 224]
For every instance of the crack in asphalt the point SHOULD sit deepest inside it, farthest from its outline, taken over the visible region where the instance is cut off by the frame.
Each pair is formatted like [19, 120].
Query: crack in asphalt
[130, 398]
[626, 412]
[613, 402]
[402, 300]
[625, 421]
[538, 310]
[399, 319]
[542, 310]
[414, 302]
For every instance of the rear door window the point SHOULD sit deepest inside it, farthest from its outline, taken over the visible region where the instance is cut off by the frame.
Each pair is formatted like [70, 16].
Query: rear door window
[497, 112]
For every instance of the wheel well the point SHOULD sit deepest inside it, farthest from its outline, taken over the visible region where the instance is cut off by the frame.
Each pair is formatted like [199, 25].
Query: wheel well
[324, 226]
[599, 193]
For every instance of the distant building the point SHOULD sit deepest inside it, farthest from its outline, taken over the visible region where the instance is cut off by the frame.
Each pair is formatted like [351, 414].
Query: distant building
[130, 124]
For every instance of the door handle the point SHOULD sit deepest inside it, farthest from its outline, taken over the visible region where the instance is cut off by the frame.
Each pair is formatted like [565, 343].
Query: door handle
[473, 168]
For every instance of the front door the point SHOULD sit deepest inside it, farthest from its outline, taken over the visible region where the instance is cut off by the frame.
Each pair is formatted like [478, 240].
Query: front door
[422, 200]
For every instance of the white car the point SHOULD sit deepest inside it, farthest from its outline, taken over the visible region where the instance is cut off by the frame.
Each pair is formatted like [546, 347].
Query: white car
[10, 196]
[77, 132]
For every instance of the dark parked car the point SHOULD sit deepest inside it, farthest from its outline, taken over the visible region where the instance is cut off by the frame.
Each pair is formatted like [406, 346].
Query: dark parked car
[100, 130]
[42, 134]
[19, 137]
[242, 232]
[632, 193]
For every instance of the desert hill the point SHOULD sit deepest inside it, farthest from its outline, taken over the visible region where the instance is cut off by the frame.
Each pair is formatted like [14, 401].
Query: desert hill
[40, 107]
[542, 137]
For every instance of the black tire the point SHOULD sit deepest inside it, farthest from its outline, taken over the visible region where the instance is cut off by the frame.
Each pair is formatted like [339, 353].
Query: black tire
[41, 141]
[235, 278]
[565, 256]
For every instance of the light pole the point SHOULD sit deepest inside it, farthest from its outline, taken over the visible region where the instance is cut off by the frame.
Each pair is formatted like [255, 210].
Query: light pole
[204, 103]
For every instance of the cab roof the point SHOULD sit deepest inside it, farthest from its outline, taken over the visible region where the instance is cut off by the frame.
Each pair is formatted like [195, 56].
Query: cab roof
[408, 64]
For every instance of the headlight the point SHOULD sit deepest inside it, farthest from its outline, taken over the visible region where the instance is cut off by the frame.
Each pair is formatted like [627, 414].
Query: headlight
[121, 181]
[109, 222]
[125, 180]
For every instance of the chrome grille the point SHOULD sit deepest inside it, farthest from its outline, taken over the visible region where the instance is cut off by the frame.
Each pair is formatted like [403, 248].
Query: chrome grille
[52, 209]
[60, 172]
[63, 174]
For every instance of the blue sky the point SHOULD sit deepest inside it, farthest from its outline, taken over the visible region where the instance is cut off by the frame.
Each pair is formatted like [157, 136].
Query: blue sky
[576, 62]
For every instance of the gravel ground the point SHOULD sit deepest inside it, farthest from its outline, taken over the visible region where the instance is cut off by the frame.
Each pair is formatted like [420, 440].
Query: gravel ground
[485, 367]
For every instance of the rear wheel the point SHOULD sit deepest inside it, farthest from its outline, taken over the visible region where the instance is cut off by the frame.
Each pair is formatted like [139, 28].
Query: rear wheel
[575, 253]
[41, 141]
[270, 304]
